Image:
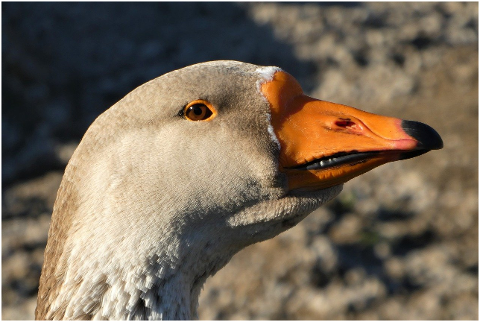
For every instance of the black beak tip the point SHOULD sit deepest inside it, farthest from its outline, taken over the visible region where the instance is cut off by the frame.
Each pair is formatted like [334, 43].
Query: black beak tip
[427, 137]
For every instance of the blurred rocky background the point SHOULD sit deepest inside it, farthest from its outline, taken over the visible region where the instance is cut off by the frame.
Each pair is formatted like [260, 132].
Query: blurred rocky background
[400, 242]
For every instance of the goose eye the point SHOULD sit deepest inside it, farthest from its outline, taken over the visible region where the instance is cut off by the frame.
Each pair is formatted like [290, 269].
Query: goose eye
[198, 111]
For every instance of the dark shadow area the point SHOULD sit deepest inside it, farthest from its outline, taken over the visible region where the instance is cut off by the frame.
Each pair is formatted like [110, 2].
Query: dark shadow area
[65, 63]
[353, 255]
[326, 4]
[389, 215]
[412, 242]
[31, 207]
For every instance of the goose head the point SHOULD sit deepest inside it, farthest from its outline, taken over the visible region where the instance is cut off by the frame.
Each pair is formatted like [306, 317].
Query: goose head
[188, 169]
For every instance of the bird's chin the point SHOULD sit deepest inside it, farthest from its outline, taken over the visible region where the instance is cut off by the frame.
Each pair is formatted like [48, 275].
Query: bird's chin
[271, 217]
[301, 202]
[306, 201]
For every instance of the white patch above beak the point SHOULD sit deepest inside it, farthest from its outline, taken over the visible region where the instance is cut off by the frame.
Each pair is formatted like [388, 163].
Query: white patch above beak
[266, 73]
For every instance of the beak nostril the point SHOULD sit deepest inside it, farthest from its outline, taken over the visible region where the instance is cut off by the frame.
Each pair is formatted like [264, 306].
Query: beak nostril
[344, 122]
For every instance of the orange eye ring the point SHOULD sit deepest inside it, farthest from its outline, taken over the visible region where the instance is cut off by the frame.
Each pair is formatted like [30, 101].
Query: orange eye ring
[199, 110]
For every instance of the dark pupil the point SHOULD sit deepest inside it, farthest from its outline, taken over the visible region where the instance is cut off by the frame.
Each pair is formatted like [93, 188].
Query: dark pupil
[197, 110]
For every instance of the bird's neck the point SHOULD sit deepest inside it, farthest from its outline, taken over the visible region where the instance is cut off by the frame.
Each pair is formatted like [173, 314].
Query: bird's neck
[166, 298]
[153, 275]
[157, 291]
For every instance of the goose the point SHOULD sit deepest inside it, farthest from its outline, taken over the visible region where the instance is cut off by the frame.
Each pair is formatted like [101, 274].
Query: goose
[188, 169]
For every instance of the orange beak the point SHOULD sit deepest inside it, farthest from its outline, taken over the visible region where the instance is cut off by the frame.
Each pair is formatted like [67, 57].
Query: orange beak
[324, 144]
